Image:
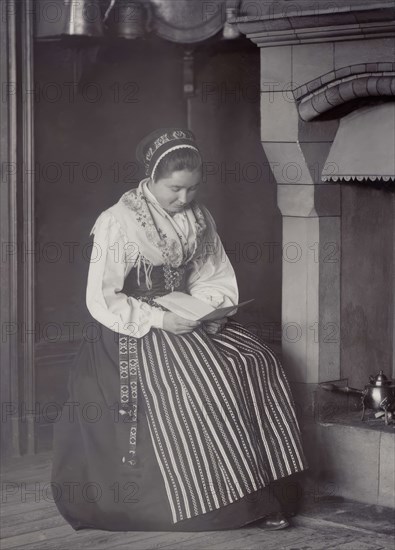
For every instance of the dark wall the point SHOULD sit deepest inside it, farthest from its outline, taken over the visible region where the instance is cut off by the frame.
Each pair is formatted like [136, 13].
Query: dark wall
[239, 187]
[367, 282]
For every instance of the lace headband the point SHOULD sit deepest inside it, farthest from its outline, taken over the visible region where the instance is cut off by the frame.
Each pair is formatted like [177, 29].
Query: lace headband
[154, 147]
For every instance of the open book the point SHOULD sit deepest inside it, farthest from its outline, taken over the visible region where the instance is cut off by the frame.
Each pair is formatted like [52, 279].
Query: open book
[192, 308]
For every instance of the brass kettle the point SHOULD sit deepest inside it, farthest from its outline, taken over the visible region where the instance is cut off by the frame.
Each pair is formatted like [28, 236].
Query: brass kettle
[379, 395]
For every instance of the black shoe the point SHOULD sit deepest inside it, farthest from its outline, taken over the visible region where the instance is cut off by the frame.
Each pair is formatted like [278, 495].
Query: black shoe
[274, 522]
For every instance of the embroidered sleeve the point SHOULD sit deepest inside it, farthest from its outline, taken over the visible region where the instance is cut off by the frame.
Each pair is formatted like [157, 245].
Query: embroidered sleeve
[213, 279]
[107, 270]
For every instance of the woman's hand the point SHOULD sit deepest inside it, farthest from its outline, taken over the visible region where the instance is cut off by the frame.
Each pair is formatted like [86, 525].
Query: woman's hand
[178, 325]
[213, 327]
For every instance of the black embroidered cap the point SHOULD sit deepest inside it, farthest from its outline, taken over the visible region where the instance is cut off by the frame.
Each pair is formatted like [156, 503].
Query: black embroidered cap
[159, 143]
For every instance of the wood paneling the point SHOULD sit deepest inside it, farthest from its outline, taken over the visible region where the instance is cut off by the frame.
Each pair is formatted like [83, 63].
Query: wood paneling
[17, 225]
[8, 232]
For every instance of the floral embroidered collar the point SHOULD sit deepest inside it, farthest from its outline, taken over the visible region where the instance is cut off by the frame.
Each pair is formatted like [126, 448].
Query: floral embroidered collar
[140, 202]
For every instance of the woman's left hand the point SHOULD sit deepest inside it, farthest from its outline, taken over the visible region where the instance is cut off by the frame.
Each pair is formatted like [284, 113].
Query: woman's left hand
[212, 327]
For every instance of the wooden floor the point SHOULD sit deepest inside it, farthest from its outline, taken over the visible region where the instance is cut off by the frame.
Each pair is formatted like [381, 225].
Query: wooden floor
[30, 520]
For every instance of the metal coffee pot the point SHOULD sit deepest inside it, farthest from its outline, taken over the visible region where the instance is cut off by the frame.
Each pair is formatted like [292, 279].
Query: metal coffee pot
[379, 395]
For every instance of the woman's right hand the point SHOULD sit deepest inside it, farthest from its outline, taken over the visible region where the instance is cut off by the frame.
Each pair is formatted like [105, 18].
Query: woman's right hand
[178, 325]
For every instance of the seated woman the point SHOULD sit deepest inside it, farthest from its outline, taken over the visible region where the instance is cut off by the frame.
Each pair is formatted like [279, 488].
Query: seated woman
[174, 424]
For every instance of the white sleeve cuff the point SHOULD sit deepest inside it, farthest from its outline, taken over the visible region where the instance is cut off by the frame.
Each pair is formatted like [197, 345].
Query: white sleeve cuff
[157, 317]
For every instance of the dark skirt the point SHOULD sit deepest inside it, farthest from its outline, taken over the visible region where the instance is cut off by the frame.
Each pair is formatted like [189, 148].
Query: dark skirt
[93, 487]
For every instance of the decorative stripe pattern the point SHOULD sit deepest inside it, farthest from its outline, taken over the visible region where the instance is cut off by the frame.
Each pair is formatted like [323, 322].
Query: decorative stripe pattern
[128, 370]
[220, 413]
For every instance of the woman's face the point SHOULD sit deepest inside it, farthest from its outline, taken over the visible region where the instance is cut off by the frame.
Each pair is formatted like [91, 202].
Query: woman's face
[176, 191]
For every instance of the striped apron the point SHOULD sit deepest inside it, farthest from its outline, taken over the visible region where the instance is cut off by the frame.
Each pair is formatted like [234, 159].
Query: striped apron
[219, 409]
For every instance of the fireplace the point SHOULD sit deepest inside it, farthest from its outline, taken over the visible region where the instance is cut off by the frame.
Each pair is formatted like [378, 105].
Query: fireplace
[320, 72]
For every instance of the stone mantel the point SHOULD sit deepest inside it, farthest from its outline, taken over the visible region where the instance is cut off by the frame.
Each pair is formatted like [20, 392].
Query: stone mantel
[283, 23]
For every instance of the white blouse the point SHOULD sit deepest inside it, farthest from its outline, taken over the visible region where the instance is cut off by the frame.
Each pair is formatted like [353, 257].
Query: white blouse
[117, 247]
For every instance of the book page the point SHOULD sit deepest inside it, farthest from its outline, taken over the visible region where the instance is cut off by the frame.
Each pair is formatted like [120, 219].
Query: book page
[185, 305]
[192, 308]
[222, 312]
